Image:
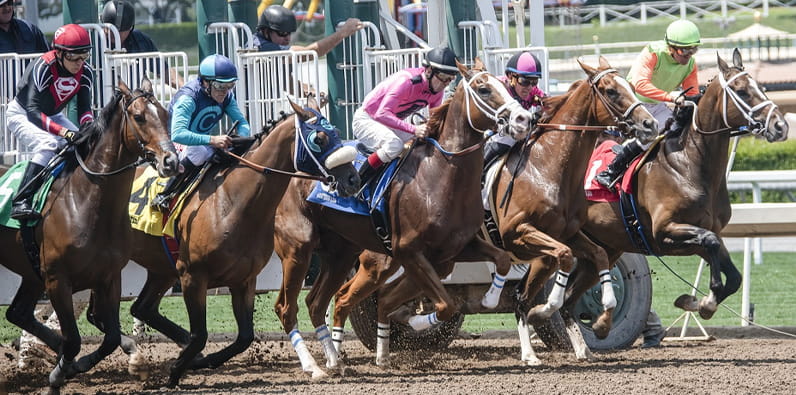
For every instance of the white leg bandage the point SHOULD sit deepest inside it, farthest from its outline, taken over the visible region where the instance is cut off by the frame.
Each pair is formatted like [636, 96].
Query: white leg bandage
[421, 322]
[492, 296]
[608, 299]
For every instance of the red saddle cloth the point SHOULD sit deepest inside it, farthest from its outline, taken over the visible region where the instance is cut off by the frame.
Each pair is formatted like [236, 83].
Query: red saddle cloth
[600, 158]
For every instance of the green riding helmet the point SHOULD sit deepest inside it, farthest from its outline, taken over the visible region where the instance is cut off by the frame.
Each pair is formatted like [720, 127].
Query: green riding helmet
[682, 33]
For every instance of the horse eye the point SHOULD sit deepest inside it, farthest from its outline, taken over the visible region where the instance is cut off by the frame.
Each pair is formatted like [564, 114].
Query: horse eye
[611, 92]
[482, 90]
[139, 118]
[742, 92]
[320, 139]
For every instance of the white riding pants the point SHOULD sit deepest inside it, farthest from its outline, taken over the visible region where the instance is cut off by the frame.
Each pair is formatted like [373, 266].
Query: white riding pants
[41, 143]
[387, 142]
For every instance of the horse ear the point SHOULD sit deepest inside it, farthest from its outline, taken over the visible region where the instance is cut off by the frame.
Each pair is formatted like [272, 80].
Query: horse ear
[300, 112]
[479, 65]
[590, 71]
[124, 88]
[604, 63]
[146, 85]
[467, 73]
[736, 59]
[721, 63]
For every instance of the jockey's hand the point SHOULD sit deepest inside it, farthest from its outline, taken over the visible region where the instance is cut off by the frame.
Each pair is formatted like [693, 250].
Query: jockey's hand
[420, 131]
[678, 100]
[221, 141]
[69, 135]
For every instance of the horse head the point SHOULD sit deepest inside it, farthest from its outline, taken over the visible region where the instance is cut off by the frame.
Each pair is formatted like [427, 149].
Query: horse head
[619, 104]
[319, 150]
[145, 130]
[751, 107]
[489, 104]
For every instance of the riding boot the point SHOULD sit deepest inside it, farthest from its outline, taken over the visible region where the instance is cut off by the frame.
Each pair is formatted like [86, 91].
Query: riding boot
[366, 172]
[681, 120]
[22, 203]
[619, 164]
[174, 186]
[494, 150]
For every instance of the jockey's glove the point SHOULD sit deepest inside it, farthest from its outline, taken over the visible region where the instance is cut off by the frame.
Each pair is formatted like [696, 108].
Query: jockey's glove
[69, 135]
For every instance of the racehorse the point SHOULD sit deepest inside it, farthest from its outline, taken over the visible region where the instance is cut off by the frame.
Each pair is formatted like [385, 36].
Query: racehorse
[680, 188]
[84, 234]
[538, 200]
[226, 231]
[434, 213]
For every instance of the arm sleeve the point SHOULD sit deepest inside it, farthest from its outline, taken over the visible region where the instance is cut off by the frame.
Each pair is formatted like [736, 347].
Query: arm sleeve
[385, 113]
[641, 74]
[234, 113]
[35, 93]
[692, 81]
[84, 113]
[181, 122]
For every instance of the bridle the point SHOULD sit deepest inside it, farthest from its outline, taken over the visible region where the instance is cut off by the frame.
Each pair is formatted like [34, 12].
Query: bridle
[620, 117]
[145, 155]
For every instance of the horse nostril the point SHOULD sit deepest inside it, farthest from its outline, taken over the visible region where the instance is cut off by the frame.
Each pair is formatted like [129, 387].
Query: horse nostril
[647, 124]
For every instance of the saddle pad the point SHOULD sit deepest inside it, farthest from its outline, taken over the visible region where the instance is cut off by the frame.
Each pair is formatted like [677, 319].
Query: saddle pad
[490, 175]
[143, 216]
[9, 183]
[602, 156]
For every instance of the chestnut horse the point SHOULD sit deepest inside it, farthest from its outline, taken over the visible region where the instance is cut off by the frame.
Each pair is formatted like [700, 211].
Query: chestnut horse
[434, 212]
[681, 187]
[84, 233]
[545, 207]
[226, 232]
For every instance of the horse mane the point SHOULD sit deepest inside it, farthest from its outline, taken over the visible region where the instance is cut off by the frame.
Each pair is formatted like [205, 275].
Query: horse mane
[436, 119]
[552, 104]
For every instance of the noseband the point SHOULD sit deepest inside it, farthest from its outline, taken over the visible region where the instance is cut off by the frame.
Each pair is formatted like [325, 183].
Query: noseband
[744, 108]
[484, 107]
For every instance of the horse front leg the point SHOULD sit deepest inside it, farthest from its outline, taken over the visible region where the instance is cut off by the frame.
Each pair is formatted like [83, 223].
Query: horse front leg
[21, 313]
[588, 250]
[147, 304]
[105, 309]
[243, 309]
[335, 268]
[713, 251]
[194, 293]
[535, 243]
[479, 249]
[60, 295]
[374, 270]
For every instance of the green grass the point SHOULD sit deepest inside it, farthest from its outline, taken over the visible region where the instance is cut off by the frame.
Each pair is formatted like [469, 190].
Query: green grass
[772, 293]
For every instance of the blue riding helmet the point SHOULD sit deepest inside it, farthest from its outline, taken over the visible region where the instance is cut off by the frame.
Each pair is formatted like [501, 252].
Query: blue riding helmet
[218, 68]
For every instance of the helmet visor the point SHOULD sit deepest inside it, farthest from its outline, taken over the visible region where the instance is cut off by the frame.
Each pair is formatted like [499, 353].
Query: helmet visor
[685, 51]
[218, 85]
[527, 81]
[74, 57]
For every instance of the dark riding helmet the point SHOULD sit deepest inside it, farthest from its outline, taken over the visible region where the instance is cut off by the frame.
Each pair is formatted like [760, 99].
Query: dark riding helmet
[442, 60]
[119, 13]
[277, 18]
[72, 38]
[218, 68]
[525, 64]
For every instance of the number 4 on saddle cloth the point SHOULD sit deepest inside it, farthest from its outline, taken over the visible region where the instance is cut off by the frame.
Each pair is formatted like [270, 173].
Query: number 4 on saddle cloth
[371, 201]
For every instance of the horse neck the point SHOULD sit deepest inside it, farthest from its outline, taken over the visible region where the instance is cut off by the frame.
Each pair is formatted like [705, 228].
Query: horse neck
[276, 149]
[111, 151]
[456, 133]
[706, 152]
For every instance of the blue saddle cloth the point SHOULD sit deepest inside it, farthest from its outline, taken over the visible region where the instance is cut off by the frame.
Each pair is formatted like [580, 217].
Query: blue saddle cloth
[370, 201]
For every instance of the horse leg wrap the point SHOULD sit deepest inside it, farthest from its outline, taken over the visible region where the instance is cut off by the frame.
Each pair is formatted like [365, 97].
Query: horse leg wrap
[421, 322]
[382, 344]
[608, 299]
[307, 362]
[322, 332]
[492, 296]
[528, 355]
[556, 298]
[337, 338]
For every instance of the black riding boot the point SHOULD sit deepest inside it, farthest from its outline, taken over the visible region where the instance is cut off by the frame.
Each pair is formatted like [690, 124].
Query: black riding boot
[22, 203]
[366, 172]
[174, 186]
[623, 158]
[494, 150]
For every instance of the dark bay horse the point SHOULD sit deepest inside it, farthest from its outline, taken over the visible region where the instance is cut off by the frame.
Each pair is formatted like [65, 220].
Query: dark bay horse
[434, 212]
[681, 187]
[85, 236]
[226, 237]
[545, 205]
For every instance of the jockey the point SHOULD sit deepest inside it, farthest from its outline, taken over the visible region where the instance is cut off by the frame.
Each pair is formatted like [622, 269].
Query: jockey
[379, 124]
[195, 111]
[277, 23]
[661, 67]
[34, 116]
[523, 71]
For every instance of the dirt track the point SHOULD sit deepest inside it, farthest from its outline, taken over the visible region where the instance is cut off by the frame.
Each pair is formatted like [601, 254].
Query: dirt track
[468, 366]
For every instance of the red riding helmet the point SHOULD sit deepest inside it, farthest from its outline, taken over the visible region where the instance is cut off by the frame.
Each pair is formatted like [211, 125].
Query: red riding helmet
[72, 38]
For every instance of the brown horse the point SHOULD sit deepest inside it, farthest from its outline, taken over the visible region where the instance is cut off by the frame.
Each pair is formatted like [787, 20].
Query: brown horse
[434, 213]
[226, 234]
[545, 205]
[85, 231]
[681, 187]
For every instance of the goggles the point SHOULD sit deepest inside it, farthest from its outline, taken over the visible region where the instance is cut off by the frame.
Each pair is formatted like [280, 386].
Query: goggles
[282, 34]
[74, 57]
[527, 81]
[445, 78]
[685, 51]
[222, 85]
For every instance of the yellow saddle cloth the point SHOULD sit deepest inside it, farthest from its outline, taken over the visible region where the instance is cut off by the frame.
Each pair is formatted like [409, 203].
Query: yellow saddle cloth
[143, 216]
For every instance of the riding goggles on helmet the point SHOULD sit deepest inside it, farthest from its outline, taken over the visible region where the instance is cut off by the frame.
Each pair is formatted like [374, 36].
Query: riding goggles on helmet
[74, 57]
[685, 51]
[445, 78]
[527, 81]
[218, 85]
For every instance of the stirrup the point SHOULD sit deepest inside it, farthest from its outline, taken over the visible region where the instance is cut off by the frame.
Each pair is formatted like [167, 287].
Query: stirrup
[23, 212]
[161, 202]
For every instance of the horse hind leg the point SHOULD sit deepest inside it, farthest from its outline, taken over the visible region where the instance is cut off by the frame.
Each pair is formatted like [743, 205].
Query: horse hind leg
[146, 307]
[591, 252]
[21, 314]
[194, 292]
[136, 364]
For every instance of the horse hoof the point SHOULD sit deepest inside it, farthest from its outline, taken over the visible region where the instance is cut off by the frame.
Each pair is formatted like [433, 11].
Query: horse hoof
[602, 326]
[536, 316]
[686, 302]
[707, 308]
[54, 391]
[533, 362]
[319, 375]
[136, 366]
